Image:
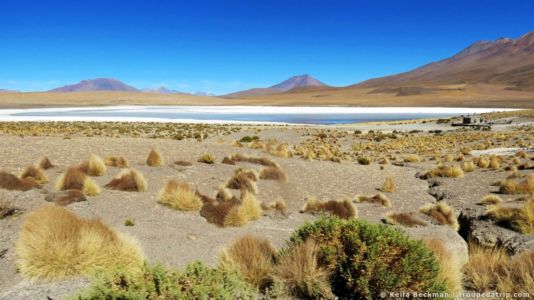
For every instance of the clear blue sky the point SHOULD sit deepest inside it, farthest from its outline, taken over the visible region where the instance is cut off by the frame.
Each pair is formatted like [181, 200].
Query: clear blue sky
[223, 46]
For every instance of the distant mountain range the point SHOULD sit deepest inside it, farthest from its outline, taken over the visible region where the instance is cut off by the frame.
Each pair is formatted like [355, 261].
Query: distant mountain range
[2, 91]
[502, 61]
[296, 82]
[94, 85]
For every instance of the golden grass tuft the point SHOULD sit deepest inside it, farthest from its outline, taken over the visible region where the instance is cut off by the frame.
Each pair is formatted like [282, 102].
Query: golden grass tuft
[90, 187]
[278, 205]
[45, 163]
[343, 208]
[55, 243]
[301, 273]
[412, 158]
[492, 269]
[180, 196]
[223, 194]
[273, 173]
[483, 162]
[128, 180]
[468, 166]
[379, 198]
[450, 271]
[442, 213]
[252, 257]
[491, 200]
[36, 173]
[243, 180]
[388, 186]
[207, 159]
[520, 219]
[404, 219]
[9, 181]
[495, 163]
[154, 159]
[116, 161]
[96, 166]
[445, 171]
[249, 209]
[509, 186]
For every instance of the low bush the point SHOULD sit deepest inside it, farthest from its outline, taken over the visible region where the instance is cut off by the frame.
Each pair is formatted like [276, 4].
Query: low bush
[366, 259]
[197, 281]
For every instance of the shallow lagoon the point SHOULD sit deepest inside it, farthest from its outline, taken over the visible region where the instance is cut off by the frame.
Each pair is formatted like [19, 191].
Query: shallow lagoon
[235, 114]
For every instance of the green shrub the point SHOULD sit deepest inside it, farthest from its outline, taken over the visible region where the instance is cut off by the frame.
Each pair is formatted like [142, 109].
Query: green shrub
[367, 259]
[157, 282]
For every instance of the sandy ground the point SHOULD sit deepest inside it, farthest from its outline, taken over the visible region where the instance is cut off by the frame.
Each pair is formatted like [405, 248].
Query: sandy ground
[176, 238]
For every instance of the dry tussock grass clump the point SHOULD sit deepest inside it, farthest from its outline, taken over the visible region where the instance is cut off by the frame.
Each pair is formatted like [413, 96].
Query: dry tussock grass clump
[249, 209]
[520, 219]
[273, 173]
[96, 166]
[252, 257]
[379, 198]
[180, 196]
[116, 161]
[207, 159]
[253, 160]
[412, 158]
[495, 163]
[468, 166]
[408, 219]
[223, 194]
[388, 186]
[482, 162]
[214, 211]
[278, 205]
[341, 208]
[154, 159]
[491, 200]
[36, 173]
[9, 181]
[128, 180]
[74, 179]
[509, 186]
[301, 274]
[228, 161]
[243, 180]
[55, 243]
[442, 213]
[492, 269]
[444, 171]
[450, 271]
[45, 163]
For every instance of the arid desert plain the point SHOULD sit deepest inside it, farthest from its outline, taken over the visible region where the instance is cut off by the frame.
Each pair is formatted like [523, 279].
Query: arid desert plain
[172, 194]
